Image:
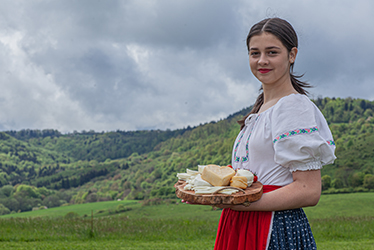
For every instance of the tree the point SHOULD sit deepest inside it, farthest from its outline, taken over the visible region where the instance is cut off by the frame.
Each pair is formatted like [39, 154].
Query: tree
[27, 191]
[326, 182]
[7, 190]
[369, 181]
[52, 201]
[363, 104]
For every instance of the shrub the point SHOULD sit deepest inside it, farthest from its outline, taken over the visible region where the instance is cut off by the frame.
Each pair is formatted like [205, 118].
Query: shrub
[4, 210]
[361, 189]
[121, 208]
[337, 183]
[71, 215]
[100, 211]
[357, 179]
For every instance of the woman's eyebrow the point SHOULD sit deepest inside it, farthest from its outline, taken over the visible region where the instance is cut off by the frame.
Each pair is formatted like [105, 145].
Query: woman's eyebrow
[267, 48]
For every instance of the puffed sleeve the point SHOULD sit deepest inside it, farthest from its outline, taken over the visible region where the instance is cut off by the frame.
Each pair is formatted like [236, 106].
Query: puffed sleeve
[302, 139]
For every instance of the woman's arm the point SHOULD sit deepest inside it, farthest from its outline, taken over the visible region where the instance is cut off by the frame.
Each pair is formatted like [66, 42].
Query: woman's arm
[304, 191]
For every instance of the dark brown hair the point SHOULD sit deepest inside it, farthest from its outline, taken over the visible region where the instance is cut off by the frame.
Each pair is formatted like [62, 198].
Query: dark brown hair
[284, 31]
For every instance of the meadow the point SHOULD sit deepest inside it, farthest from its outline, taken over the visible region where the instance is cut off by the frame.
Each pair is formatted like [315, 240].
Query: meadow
[339, 221]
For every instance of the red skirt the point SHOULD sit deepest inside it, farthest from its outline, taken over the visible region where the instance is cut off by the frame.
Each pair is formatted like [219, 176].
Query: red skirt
[239, 230]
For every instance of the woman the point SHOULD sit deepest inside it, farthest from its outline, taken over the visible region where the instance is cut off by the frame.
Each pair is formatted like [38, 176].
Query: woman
[285, 140]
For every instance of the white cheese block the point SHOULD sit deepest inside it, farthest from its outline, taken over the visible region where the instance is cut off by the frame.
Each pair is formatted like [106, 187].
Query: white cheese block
[200, 182]
[192, 172]
[217, 176]
[201, 168]
[188, 187]
[210, 190]
[183, 176]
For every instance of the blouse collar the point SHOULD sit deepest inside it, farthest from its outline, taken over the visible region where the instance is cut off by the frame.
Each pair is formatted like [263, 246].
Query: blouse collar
[249, 120]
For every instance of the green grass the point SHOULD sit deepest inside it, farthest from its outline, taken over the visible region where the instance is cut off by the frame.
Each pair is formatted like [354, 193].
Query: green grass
[136, 211]
[107, 245]
[80, 209]
[342, 221]
[342, 205]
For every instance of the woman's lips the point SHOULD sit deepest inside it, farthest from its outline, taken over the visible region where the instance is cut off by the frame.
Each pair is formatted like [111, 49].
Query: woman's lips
[264, 71]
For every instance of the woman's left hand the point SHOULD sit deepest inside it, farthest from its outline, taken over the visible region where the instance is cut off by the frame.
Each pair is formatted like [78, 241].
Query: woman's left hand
[223, 206]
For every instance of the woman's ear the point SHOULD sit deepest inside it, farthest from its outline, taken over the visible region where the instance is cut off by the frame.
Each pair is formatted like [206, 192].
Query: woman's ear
[292, 55]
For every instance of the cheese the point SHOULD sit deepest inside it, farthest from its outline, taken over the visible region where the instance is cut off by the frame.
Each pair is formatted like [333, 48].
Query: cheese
[216, 175]
[188, 187]
[246, 173]
[239, 182]
[210, 190]
[192, 172]
[200, 182]
[201, 168]
[183, 176]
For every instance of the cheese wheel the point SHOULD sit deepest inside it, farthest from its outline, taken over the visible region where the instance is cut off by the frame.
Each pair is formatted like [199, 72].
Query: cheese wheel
[239, 182]
[216, 175]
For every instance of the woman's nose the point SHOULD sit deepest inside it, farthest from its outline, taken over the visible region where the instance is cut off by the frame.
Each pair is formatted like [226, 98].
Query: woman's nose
[263, 60]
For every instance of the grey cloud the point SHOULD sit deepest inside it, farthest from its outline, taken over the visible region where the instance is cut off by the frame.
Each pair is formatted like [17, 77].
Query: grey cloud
[163, 64]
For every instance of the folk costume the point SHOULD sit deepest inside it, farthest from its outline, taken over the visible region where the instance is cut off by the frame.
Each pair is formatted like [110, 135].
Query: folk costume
[292, 135]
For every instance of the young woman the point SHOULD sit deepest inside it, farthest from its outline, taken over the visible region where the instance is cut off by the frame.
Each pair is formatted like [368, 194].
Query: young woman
[285, 140]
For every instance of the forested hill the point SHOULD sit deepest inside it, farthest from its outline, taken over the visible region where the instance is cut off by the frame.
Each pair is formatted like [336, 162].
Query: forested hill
[49, 168]
[91, 145]
[101, 146]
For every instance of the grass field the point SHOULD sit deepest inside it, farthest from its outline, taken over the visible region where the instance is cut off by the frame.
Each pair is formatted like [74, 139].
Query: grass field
[341, 221]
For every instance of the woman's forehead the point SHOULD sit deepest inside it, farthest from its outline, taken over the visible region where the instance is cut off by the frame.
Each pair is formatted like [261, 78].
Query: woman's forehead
[264, 40]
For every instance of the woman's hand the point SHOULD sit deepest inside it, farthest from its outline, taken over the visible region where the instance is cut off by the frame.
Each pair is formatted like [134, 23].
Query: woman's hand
[223, 206]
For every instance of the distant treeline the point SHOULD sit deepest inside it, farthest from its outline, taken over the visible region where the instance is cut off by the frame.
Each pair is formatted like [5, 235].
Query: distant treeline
[96, 146]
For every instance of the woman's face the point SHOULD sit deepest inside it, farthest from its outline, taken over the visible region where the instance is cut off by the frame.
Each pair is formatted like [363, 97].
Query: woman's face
[269, 59]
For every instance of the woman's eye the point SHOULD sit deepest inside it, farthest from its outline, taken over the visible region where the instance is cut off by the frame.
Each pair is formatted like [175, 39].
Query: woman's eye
[253, 53]
[273, 52]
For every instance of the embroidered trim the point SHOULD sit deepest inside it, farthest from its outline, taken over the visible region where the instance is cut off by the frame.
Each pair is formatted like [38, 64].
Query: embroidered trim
[296, 132]
[244, 158]
[331, 142]
[237, 158]
[301, 131]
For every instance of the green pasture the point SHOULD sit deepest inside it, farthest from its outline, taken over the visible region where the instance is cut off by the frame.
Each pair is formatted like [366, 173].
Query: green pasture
[171, 210]
[340, 221]
[342, 205]
[99, 209]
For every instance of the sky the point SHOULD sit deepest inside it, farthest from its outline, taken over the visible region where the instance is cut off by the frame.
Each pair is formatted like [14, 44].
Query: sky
[108, 65]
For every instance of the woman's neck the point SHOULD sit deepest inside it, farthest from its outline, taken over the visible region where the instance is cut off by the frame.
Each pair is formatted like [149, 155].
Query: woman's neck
[273, 93]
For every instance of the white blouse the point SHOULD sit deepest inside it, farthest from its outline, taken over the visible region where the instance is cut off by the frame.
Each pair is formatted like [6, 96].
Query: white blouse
[291, 135]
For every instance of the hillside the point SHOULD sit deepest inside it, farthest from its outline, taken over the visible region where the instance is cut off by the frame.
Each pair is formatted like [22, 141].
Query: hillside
[19, 160]
[90, 145]
[89, 166]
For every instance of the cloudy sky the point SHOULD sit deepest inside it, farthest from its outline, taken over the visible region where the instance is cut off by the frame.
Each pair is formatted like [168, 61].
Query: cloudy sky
[105, 65]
